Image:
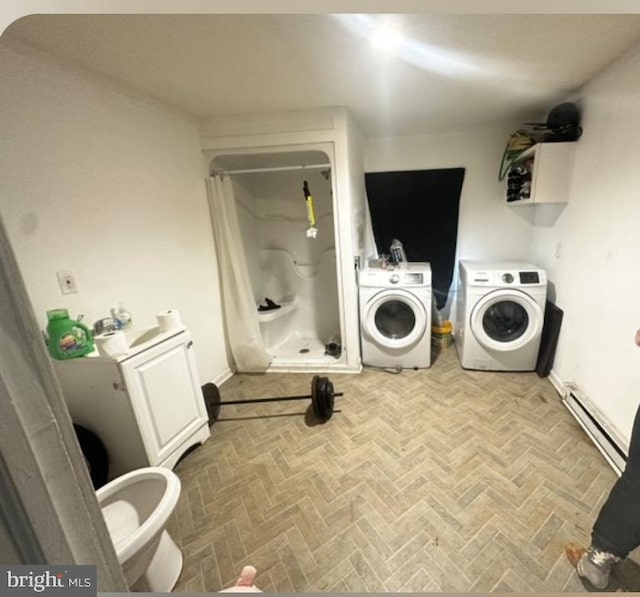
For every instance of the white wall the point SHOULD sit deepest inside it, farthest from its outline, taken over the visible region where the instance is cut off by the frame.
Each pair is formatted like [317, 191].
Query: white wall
[596, 279]
[487, 227]
[112, 188]
[363, 241]
[280, 206]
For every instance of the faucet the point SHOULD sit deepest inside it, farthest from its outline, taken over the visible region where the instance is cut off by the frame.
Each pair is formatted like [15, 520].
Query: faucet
[106, 324]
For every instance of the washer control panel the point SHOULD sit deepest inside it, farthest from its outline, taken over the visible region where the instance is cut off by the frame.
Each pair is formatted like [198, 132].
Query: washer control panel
[529, 278]
[414, 275]
[507, 278]
[499, 278]
[414, 278]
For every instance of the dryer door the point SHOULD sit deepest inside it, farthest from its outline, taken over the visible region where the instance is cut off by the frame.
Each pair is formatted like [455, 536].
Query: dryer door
[506, 319]
[394, 319]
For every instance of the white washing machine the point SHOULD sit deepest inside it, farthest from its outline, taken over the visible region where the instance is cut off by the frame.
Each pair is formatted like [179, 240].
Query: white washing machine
[500, 314]
[395, 316]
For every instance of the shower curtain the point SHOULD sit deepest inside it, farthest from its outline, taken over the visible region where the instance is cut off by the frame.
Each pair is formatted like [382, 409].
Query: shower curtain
[240, 311]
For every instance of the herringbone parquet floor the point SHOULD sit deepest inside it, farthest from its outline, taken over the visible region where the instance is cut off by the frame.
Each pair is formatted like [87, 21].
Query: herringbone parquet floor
[438, 480]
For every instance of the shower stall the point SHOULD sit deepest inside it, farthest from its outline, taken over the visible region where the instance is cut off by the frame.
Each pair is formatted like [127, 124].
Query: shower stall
[294, 275]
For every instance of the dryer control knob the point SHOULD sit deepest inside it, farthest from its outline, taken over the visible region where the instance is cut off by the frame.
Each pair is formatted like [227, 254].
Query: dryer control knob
[394, 279]
[507, 278]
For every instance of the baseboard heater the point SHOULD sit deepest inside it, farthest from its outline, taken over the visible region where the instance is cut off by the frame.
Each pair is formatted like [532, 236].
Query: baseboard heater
[603, 436]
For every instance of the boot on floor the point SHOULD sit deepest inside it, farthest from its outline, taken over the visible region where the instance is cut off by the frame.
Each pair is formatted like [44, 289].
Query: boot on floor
[594, 568]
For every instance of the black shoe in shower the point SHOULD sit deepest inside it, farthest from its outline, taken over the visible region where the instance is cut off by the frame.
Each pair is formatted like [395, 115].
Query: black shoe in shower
[270, 305]
[332, 349]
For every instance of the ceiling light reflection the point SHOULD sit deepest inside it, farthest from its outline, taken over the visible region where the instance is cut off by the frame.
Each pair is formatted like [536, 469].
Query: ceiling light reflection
[386, 38]
[434, 59]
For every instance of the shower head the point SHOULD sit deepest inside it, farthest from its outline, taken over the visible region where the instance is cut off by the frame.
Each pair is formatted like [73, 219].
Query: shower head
[326, 173]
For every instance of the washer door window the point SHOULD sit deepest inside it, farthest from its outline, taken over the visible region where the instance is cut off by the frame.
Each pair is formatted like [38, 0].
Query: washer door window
[506, 320]
[395, 319]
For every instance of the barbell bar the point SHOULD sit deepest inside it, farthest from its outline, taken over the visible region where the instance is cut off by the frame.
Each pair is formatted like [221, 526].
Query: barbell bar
[322, 399]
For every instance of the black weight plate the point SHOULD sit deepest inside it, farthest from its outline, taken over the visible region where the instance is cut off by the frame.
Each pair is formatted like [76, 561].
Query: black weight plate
[330, 399]
[324, 399]
[315, 395]
[212, 401]
[323, 402]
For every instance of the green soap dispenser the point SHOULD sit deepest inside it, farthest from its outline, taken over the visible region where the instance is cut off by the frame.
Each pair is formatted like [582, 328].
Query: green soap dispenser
[67, 338]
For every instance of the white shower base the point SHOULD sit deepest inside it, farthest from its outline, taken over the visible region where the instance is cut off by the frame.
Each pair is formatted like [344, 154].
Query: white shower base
[301, 351]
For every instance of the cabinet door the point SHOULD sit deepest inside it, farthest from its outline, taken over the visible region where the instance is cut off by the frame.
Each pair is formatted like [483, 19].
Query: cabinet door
[541, 174]
[165, 393]
[552, 170]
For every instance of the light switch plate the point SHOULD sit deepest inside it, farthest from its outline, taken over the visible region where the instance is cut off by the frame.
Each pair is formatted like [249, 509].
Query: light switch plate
[67, 281]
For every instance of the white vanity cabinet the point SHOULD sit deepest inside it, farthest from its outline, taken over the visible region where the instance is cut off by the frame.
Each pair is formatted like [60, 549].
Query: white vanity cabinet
[146, 406]
[541, 174]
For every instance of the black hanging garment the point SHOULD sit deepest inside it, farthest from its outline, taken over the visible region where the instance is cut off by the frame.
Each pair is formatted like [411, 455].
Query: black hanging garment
[420, 208]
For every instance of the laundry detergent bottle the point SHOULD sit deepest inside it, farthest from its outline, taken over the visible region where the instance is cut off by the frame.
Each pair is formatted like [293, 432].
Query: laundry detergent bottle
[67, 338]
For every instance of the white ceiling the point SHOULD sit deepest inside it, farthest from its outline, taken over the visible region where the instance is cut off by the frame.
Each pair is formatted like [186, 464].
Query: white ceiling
[451, 72]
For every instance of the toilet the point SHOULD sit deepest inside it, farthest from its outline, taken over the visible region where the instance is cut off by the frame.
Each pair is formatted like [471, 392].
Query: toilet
[136, 507]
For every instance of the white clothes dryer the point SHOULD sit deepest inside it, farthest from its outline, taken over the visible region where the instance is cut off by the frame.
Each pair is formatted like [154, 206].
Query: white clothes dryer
[499, 315]
[395, 316]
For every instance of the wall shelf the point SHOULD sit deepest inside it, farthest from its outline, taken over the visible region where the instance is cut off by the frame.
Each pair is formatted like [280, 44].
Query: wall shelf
[541, 174]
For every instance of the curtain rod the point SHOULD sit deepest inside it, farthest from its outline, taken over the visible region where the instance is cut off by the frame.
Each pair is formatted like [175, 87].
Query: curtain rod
[276, 169]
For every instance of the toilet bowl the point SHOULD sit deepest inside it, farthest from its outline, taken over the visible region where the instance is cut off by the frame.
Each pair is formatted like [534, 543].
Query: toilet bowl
[136, 507]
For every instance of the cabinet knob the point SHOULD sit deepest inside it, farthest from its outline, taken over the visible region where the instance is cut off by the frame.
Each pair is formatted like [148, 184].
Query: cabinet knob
[190, 344]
